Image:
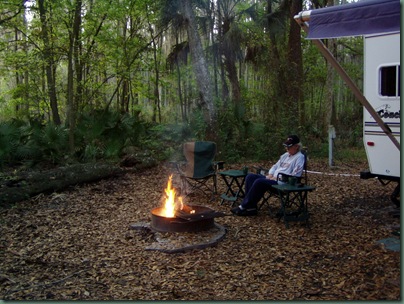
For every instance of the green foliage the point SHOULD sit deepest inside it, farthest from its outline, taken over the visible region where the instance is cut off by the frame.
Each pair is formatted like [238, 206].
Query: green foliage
[104, 134]
[98, 135]
[197, 124]
[350, 154]
[9, 141]
[244, 140]
[115, 58]
[164, 141]
[32, 142]
[48, 142]
[91, 153]
[341, 152]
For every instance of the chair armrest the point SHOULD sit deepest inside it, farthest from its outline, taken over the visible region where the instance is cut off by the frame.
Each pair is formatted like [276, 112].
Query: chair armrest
[285, 177]
[260, 170]
[218, 164]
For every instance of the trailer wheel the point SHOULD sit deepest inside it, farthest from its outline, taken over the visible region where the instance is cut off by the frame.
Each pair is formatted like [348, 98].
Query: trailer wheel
[395, 196]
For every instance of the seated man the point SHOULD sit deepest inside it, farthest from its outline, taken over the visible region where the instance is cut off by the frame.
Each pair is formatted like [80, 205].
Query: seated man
[290, 163]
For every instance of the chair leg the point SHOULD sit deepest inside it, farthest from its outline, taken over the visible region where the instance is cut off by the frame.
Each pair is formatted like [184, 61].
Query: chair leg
[191, 185]
[265, 201]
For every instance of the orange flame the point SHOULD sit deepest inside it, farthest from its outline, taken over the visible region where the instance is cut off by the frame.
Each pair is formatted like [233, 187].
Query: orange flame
[170, 205]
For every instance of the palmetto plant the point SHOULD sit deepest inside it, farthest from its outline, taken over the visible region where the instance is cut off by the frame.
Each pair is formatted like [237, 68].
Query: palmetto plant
[9, 141]
[31, 142]
[103, 134]
[99, 135]
[39, 142]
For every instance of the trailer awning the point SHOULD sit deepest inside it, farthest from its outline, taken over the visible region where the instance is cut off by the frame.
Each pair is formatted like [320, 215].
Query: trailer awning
[366, 17]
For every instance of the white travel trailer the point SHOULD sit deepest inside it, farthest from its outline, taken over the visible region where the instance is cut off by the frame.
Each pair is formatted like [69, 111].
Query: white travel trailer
[378, 21]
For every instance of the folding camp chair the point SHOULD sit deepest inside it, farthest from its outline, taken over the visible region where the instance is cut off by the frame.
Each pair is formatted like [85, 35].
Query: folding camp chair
[284, 178]
[198, 172]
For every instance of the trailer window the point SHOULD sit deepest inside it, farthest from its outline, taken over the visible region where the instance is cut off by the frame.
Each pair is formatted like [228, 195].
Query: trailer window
[390, 81]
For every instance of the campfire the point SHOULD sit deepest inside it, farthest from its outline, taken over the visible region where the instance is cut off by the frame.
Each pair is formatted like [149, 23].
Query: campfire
[176, 216]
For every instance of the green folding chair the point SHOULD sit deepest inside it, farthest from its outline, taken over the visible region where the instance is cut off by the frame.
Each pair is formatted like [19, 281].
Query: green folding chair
[281, 177]
[198, 172]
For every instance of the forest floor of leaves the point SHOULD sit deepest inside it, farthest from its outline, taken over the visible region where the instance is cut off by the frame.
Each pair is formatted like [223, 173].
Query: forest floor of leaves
[78, 245]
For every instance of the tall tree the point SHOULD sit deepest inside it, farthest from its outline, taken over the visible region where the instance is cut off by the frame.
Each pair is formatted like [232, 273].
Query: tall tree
[21, 71]
[232, 13]
[295, 66]
[331, 77]
[201, 70]
[49, 57]
[74, 70]
[275, 27]
[156, 46]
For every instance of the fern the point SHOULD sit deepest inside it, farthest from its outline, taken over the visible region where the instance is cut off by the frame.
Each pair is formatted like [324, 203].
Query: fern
[9, 141]
[54, 142]
[91, 153]
[113, 149]
[99, 134]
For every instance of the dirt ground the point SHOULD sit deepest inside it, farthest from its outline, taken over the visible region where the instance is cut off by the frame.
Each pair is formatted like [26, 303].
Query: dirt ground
[78, 245]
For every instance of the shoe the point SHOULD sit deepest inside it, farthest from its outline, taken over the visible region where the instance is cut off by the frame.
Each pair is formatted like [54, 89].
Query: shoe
[236, 210]
[244, 212]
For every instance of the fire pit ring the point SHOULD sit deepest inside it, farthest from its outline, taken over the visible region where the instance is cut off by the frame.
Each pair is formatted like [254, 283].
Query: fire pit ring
[202, 219]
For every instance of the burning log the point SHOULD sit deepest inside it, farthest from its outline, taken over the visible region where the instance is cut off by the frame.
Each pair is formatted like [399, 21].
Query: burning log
[198, 216]
[185, 209]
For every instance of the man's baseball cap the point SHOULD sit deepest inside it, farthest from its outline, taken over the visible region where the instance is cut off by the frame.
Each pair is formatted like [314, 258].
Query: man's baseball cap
[292, 140]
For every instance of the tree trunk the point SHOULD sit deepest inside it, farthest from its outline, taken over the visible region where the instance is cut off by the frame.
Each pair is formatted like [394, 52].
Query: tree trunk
[156, 94]
[224, 90]
[125, 96]
[230, 65]
[49, 63]
[73, 66]
[329, 95]
[18, 78]
[276, 61]
[215, 57]
[201, 71]
[295, 67]
[26, 185]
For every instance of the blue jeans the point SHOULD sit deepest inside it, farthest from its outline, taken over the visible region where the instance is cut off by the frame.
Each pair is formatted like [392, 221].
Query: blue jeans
[255, 187]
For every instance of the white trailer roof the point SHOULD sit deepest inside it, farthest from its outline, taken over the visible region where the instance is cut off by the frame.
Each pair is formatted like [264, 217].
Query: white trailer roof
[366, 17]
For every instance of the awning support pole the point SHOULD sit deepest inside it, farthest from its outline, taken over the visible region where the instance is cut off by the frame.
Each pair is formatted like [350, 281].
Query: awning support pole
[362, 99]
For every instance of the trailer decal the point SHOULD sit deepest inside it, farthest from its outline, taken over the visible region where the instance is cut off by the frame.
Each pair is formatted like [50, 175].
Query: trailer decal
[384, 112]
